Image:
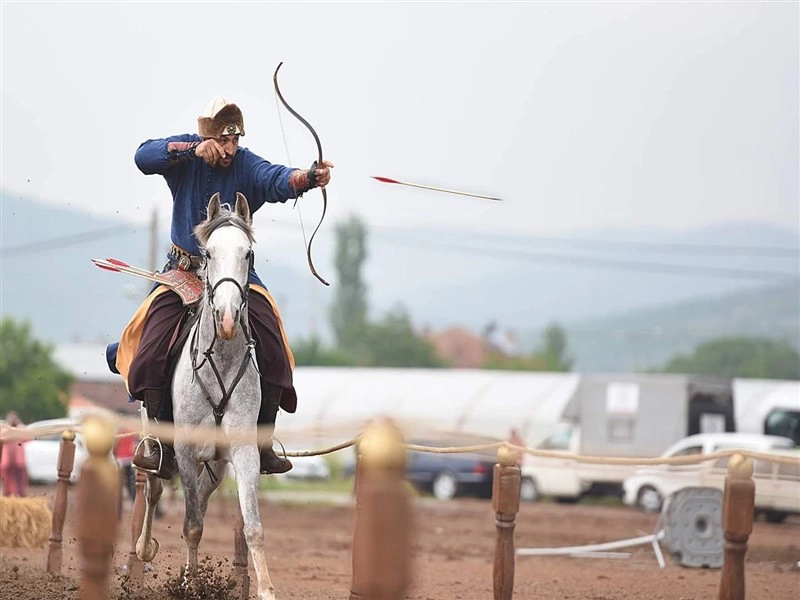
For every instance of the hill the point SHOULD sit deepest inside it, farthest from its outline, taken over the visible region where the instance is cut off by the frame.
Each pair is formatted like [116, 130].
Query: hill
[47, 277]
[647, 338]
[627, 299]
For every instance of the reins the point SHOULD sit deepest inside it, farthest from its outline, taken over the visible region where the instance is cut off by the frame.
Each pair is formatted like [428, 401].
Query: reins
[208, 354]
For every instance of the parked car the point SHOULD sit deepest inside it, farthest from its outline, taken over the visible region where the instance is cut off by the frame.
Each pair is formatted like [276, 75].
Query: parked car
[449, 475]
[648, 487]
[777, 486]
[622, 416]
[309, 468]
[41, 453]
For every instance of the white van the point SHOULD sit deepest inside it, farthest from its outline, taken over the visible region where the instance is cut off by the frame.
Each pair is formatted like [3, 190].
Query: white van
[648, 487]
[708, 443]
[41, 452]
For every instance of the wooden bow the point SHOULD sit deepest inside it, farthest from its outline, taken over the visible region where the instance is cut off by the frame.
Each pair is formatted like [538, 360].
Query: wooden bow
[319, 162]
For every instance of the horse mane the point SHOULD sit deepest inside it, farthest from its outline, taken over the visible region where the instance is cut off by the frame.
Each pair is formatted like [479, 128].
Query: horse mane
[225, 217]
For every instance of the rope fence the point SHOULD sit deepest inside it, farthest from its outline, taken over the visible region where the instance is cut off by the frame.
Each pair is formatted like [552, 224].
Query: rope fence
[201, 435]
[383, 509]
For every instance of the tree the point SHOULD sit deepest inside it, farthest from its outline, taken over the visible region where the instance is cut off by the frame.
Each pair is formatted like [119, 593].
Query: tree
[516, 362]
[550, 356]
[31, 383]
[313, 352]
[553, 353]
[348, 314]
[394, 343]
[739, 357]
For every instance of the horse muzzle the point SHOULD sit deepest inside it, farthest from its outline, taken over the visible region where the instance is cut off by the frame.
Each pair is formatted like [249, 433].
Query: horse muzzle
[226, 323]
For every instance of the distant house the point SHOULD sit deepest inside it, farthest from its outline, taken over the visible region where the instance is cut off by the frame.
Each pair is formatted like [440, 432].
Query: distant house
[94, 382]
[459, 348]
[81, 405]
[463, 349]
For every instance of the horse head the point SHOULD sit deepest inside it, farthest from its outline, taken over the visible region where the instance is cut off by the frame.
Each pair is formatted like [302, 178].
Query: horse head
[226, 240]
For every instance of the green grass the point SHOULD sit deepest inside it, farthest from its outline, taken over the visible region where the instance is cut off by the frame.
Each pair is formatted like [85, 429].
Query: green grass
[333, 485]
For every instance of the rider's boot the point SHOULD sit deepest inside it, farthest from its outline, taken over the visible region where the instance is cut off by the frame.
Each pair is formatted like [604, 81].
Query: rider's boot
[270, 462]
[161, 459]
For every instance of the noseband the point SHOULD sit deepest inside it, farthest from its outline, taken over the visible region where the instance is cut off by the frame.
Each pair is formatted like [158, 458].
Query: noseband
[208, 354]
[243, 290]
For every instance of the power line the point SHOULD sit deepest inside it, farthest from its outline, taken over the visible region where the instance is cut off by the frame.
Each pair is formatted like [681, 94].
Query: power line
[573, 259]
[64, 241]
[622, 264]
[620, 245]
[608, 245]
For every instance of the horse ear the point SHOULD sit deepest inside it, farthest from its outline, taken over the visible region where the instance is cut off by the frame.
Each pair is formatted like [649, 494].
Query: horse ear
[242, 207]
[213, 207]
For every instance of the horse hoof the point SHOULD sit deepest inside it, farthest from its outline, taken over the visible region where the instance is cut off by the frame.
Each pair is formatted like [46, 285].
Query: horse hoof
[267, 595]
[148, 553]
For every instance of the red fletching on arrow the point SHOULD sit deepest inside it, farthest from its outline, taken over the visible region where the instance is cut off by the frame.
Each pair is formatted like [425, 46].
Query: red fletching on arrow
[115, 261]
[107, 268]
[384, 179]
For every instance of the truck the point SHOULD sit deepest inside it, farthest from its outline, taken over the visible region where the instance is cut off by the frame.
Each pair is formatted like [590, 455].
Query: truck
[627, 416]
[770, 406]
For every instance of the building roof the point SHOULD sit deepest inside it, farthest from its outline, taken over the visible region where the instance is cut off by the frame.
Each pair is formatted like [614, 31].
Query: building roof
[459, 347]
[86, 362]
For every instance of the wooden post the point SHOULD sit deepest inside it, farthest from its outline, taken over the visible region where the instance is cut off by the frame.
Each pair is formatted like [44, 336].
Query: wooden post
[66, 460]
[97, 508]
[382, 537]
[357, 585]
[240, 556]
[738, 510]
[505, 502]
[135, 565]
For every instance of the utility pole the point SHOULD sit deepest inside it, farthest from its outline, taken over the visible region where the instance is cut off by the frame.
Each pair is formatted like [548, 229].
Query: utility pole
[139, 290]
[151, 264]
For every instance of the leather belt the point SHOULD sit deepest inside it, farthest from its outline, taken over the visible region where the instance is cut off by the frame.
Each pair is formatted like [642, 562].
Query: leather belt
[186, 261]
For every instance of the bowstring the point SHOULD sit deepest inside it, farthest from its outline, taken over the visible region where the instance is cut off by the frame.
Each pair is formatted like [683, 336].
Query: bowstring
[289, 161]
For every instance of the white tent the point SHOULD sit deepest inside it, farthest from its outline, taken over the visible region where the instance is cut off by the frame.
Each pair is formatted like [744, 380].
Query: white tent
[334, 403]
[421, 401]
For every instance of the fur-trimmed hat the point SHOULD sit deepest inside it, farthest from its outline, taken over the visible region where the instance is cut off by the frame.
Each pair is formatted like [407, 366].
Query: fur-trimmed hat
[220, 118]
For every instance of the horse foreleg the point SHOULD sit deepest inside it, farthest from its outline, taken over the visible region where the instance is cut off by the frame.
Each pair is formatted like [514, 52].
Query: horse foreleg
[147, 545]
[246, 464]
[193, 517]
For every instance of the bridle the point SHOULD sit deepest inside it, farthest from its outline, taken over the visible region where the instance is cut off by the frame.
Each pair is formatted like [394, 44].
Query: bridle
[208, 354]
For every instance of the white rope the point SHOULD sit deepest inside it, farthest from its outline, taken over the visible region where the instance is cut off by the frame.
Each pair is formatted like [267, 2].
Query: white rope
[597, 548]
[201, 434]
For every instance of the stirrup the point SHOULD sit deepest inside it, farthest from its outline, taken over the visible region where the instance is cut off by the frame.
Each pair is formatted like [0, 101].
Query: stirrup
[140, 451]
[284, 465]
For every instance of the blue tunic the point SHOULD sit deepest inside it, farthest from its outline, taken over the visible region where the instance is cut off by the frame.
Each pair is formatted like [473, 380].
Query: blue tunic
[193, 182]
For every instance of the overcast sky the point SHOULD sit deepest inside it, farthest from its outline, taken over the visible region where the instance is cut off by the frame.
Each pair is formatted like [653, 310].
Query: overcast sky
[580, 115]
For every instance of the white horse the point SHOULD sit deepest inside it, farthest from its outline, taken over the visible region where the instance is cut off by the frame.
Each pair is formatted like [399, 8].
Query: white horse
[216, 382]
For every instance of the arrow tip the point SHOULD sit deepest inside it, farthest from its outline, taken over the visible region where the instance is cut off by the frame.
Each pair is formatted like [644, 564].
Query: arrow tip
[384, 179]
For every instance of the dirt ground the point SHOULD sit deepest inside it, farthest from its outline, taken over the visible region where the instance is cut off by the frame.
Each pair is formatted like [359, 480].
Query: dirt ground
[309, 553]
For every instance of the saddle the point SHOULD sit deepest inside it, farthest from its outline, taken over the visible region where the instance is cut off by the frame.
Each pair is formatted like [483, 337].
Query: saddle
[179, 337]
[176, 343]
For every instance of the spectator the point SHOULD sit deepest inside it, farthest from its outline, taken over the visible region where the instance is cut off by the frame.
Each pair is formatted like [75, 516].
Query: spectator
[123, 453]
[13, 472]
[516, 439]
